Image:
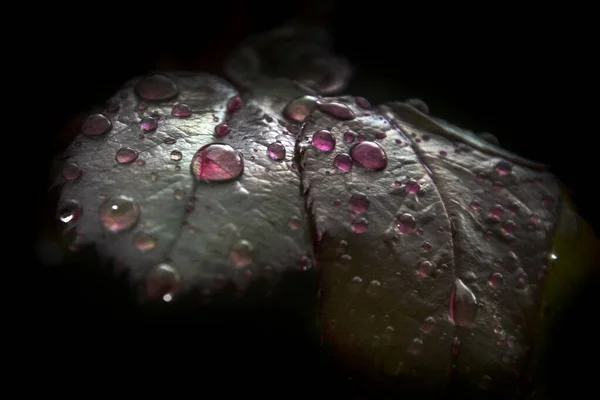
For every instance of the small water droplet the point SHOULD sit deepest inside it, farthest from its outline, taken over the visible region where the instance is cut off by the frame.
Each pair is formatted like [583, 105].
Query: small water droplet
[112, 106]
[343, 162]
[509, 227]
[428, 325]
[363, 103]
[222, 130]
[119, 213]
[126, 155]
[71, 172]
[162, 282]
[360, 225]
[355, 284]
[503, 168]
[181, 110]
[548, 202]
[373, 288]
[496, 280]
[176, 155]
[370, 155]
[169, 140]
[217, 162]
[179, 194]
[412, 186]
[349, 137]
[443, 153]
[336, 110]
[241, 254]
[96, 124]
[415, 347]
[463, 304]
[144, 242]
[234, 104]
[276, 151]
[425, 269]
[154, 176]
[323, 140]
[156, 88]
[148, 124]
[406, 223]
[69, 211]
[294, 223]
[359, 203]
[475, 205]
[299, 108]
[497, 211]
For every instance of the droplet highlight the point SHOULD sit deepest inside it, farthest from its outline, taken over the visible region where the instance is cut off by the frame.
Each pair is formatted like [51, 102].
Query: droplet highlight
[119, 213]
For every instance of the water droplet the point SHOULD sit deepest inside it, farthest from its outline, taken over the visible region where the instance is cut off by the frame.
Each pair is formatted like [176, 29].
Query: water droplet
[511, 341]
[443, 153]
[415, 347]
[176, 155]
[406, 223]
[294, 223]
[96, 124]
[425, 269]
[276, 151]
[154, 176]
[412, 186]
[355, 284]
[463, 304]
[179, 194]
[71, 172]
[144, 242]
[363, 103]
[222, 130]
[234, 104]
[119, 213]
[455, 347]
[148, 124]
[323, 140]
[360, 225]
[370, 155]
[485, 382]
[359, 203]
[142, 106]
[496, 280]
[69, 211]
[241, 254]
[428, 325]
[156, 88]
[349, 137]
[217, 162]
[181, 110]
[343, 162]
[140, 163]
[299, 108]
[162, 282]
[503, 168]
[475, 205]
[508, 227]
[169, 140]
[497, 211]
[112, 106]
[373, 288]
[336, 110]
[126, 155]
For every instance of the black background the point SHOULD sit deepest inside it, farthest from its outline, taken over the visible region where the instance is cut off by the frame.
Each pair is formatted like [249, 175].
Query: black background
[520, 74]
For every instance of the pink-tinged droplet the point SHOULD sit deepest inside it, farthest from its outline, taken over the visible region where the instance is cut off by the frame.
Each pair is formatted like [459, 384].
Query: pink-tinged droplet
[363, 103]
[361, 138]
[144, 242]
[349, 137]
[443, 153]
[222, 130]
[71, 172]
[503, 168]
[176, 155]
[276, 151]
[293, 129]
[534, 218]
[112, 106]
[142, 106]
[148, 124]
[370, 155]
[298, 109]
[497, 211]
[336, 110]
[380, 135]
[162, 282]
[140, 162]
[119, 213]
[509, 227]
[234, 104]
[336, 203]
[496, 280]
[420, 231]
[241, 254]
[475, 205]
[323, 140]
[412, 186]
[463, 304]
[217, 162]
[547, 202]
[360, 225]
[426, 246]
[359, 203]
[406, 223]
[181, 110]
[343, 162]
[69, 211]
[96, 124]
[170, 140]
[126, 155]
[156, 88]
[425, 269]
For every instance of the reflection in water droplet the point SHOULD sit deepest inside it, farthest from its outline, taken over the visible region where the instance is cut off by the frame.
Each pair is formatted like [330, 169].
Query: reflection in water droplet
[217, 162]
[412, 186]
[241, 254]
[343, 162]
[148, 124]
[154, 176]
[406, 223]
[359, 202]
[463, 304]
[181, 110]
[119, 213]
[144, 242]
[71, 172]
[276, 151]
[323, 140]
[503, 168]
[299, 108]
[222, 130]
[370, 155]
[140, 163]
[156, 88]
[96, 124]
[69, 211]
[162, 282]
[360, 225]
[126, 155]
[496, 280]
[336, 110]
[176, 155]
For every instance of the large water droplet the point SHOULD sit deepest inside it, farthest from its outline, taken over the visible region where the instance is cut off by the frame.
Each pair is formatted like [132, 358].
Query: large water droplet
[276, 151]
[71, 172]
[96, 124]
[126, 155]
[343, 162]
[69, 211]
[463, 304]
[217, 162]
[349, 137]
[497, 211]
[181, 110]
[406, 223]
[144, 242]
[162, 282]
[323, 140]
[336, 110]
[119, 213]
[148, 124]
[156, 88]
[300, 108]
[359, 202]
[370, 155]
[241, 254]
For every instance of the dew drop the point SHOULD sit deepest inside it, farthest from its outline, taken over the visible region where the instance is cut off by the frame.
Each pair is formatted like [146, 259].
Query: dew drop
[412, 186]
[415, 347]
[176, 155]
[69, 211]
[373, 288]
[144, 242]
[112, 106]
[343, 162]
[71, 172]
[349, 137]
[428, 325]
[222, 130]
[234, 104]
[276, 151]
[299, 108]
[463, 304]
[406, 223]
[360, 225]
[181, 110]
[126, 155]
[294, 223]
[179, 194]
[140, 163]
[148, 124]
[241, 254]
[475, 205]
[119, 213]
[96, 124]
[217, 162]
[497, 211]
[370, 155]
[154, 176]
[363, 103]
[496, 280]
[162, 282]
[169, 140]
[503, 168]
[425, 269]
[323, 140]
[336, 110]
[156, 88]
[355, 284]
[359, 203]
[509, 227]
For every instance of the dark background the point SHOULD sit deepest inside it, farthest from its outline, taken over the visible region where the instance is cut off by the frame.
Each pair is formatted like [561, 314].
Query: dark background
[520, 74]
